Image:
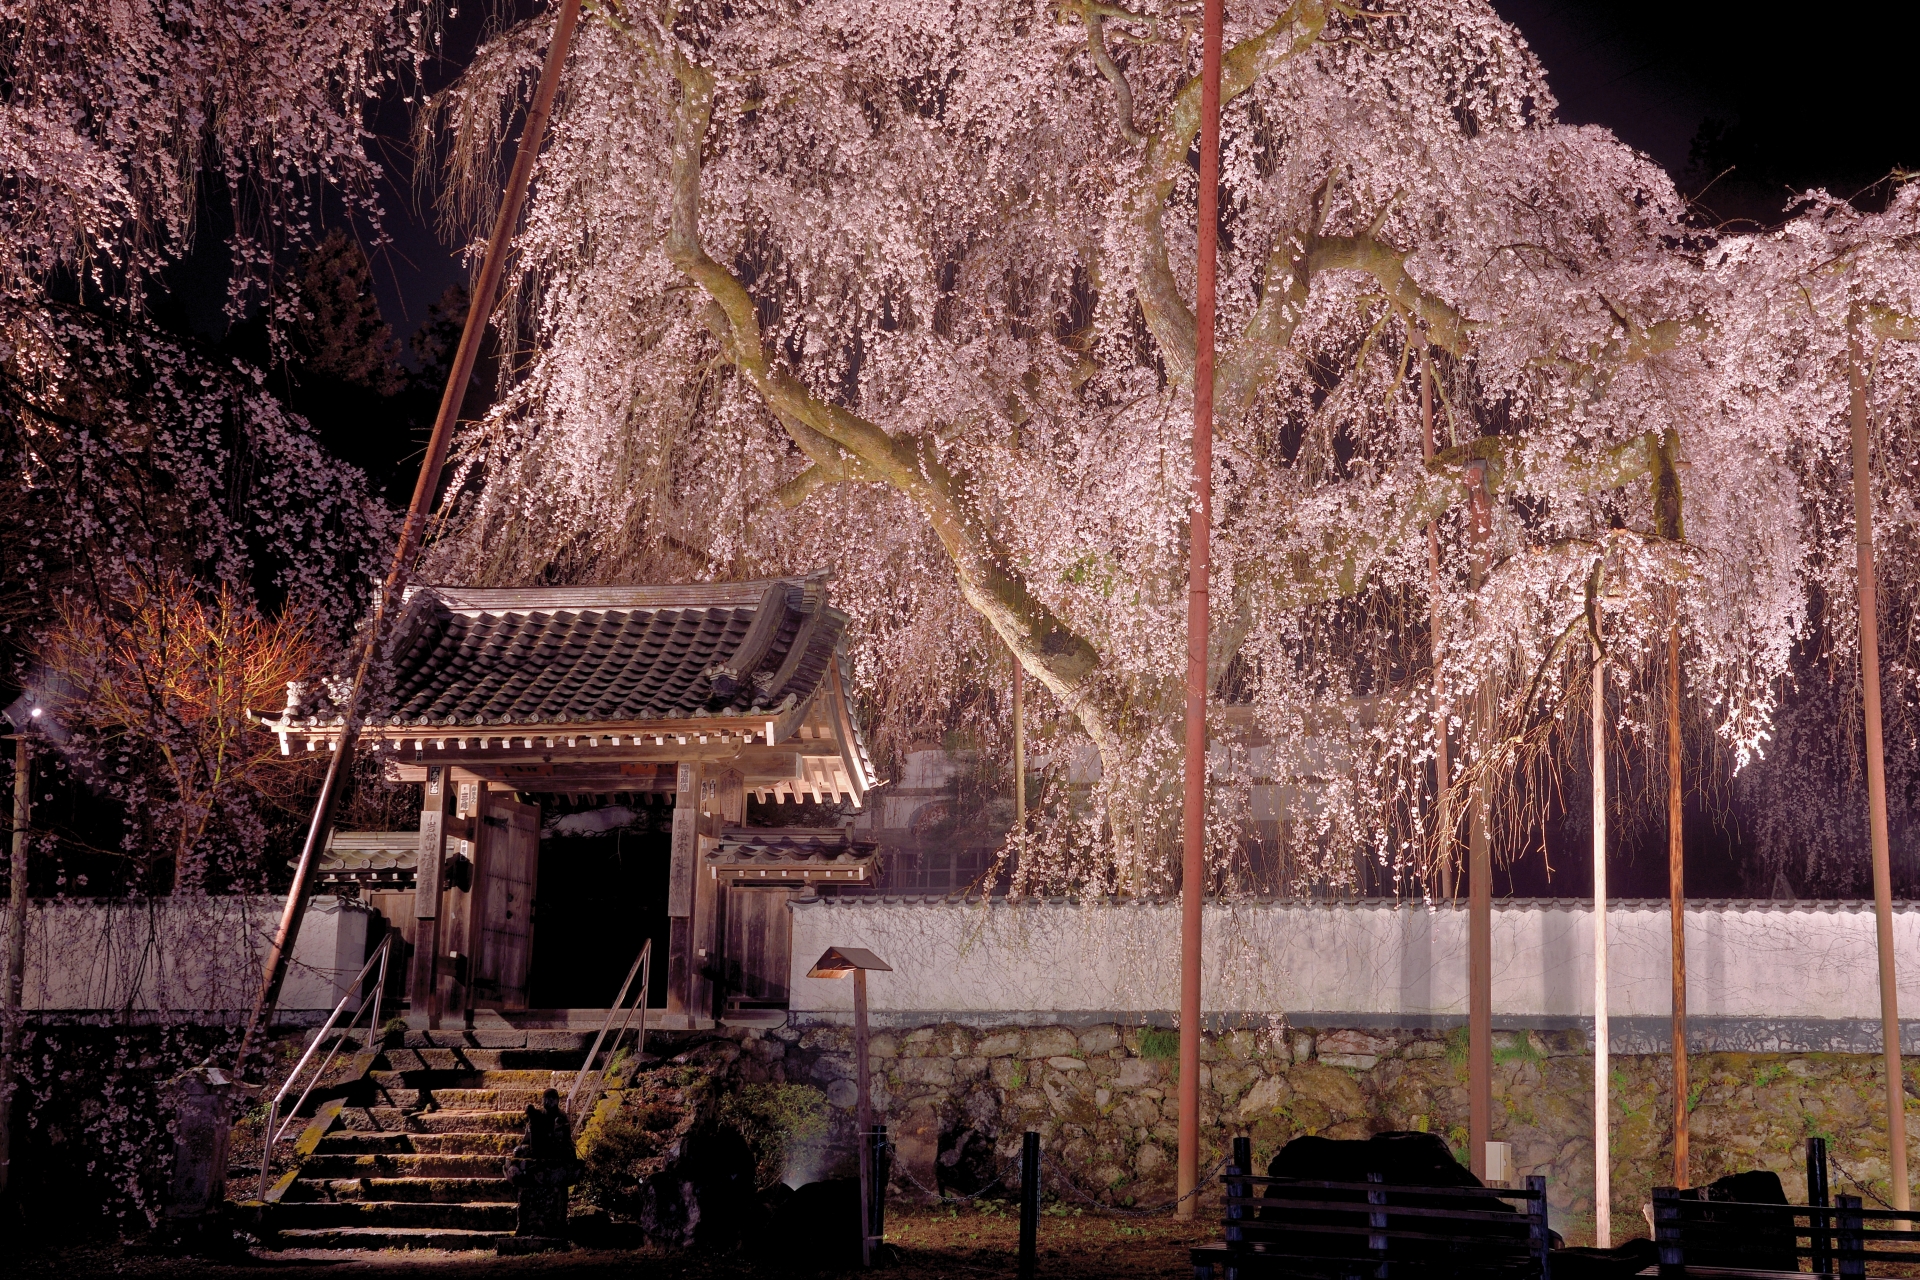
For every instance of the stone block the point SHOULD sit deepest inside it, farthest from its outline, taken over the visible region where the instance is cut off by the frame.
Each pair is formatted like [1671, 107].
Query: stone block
[843, 1093]
[1136, 1072]
[1149, 1160]
[1355, 1061]
[1240, 1045]
[918, 1043]
[833, 1066]
[1231, 1078]
[827, 1039]
[1353, 1044]
[1099, 1039]
[1050, 1042]
[937, 1072]
[1303, 1046]
[884, 1045]
[1265, 1096]
[954, 1040]
[1332, 1089]
[968, 1070]
[1137, 1112]
[1064, 1063]
[1001, 1044]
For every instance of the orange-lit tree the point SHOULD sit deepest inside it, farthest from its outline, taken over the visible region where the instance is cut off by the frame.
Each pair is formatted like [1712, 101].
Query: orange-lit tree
[159, 688]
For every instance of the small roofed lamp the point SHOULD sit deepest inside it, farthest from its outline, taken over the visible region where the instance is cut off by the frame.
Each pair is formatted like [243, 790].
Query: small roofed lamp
[839, 962]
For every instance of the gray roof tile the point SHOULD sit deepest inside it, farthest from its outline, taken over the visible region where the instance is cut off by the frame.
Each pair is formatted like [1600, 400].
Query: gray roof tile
[468, 658]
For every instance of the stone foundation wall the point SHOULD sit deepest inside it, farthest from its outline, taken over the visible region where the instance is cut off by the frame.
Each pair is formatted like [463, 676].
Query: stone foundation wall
[1103, 1098]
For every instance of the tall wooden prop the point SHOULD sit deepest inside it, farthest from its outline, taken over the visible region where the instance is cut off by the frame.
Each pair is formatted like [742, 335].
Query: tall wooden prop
[1194, 816]
[1480, 872]
[1443, 822]
[1019, 746]
[1602, 1137]
[16, 950]
[863, 1113]
[1677, 911]
[414, 528]
[1876, 765]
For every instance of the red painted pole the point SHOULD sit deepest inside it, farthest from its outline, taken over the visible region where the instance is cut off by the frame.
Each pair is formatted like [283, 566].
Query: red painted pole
[1876, 765]
[412, 532]
[1194, 817]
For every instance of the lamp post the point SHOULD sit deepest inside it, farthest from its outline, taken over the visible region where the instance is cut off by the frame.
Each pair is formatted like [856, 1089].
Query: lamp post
[839, 962]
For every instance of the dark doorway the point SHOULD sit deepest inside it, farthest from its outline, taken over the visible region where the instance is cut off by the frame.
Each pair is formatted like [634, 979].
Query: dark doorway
[600, 898]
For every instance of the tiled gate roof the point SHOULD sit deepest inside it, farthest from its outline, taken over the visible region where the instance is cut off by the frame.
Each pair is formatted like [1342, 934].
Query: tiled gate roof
[463, 658]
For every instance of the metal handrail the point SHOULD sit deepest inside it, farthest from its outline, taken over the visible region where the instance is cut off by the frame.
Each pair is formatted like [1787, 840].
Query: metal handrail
[378, 957]
[643, 966]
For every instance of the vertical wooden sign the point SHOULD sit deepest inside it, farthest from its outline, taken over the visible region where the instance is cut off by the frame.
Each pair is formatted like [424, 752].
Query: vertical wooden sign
[686, 843]
[435, 802]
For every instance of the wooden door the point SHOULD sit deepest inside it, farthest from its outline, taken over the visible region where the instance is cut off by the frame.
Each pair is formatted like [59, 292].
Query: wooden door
[759, 940]
[505, 909]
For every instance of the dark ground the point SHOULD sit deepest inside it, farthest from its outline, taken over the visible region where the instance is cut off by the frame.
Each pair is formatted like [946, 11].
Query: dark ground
[964, 1243]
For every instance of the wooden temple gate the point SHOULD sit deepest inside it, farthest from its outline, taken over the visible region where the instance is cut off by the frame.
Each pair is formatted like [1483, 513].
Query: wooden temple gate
[694, 696]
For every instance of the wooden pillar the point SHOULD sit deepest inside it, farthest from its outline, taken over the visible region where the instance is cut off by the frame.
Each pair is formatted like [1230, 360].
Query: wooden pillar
[682, 890]
[1193, 853]
[465, 910]
[436, 803]
[702, 989]
[1677, 910]
[1019, 745]
[15, 978]
[1876, 764]
[1480, 873]
[863, 1113]
[1602, 1032]
[1443, 824]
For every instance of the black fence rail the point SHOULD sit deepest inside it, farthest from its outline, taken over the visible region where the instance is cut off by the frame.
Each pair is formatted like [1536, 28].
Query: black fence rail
[1695, 1235]
[1374, 1229]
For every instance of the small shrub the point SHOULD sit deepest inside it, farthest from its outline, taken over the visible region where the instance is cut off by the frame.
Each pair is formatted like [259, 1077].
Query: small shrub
[773, 1118]
[1159, 1042]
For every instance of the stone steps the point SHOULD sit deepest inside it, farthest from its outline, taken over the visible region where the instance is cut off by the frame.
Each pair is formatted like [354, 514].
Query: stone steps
[478, 1215]
[374, 1237]
[354, 1142]
[435, 1078]
[324, 1166]
[415, 1160]
[393, 1190]
[393, 1119]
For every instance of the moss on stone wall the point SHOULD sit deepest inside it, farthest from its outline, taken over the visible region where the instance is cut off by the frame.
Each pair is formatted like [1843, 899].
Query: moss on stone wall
[957, 1100]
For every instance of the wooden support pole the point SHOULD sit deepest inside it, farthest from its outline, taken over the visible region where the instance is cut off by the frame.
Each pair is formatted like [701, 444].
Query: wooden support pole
[1019, 746]
[1193, 854]
[1443, 824]
[1602, 1135]
[14, 980]
[1677, 911]
[1876, 765]
[863, 1114]
[413, 529]
[1480, 872]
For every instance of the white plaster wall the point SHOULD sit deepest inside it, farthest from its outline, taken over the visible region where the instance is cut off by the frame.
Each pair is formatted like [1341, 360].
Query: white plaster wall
[185, 954]
[1744, 960]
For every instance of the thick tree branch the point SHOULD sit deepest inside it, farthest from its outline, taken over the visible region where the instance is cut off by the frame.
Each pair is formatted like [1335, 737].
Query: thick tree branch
[844, 446]
[1168, 317]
